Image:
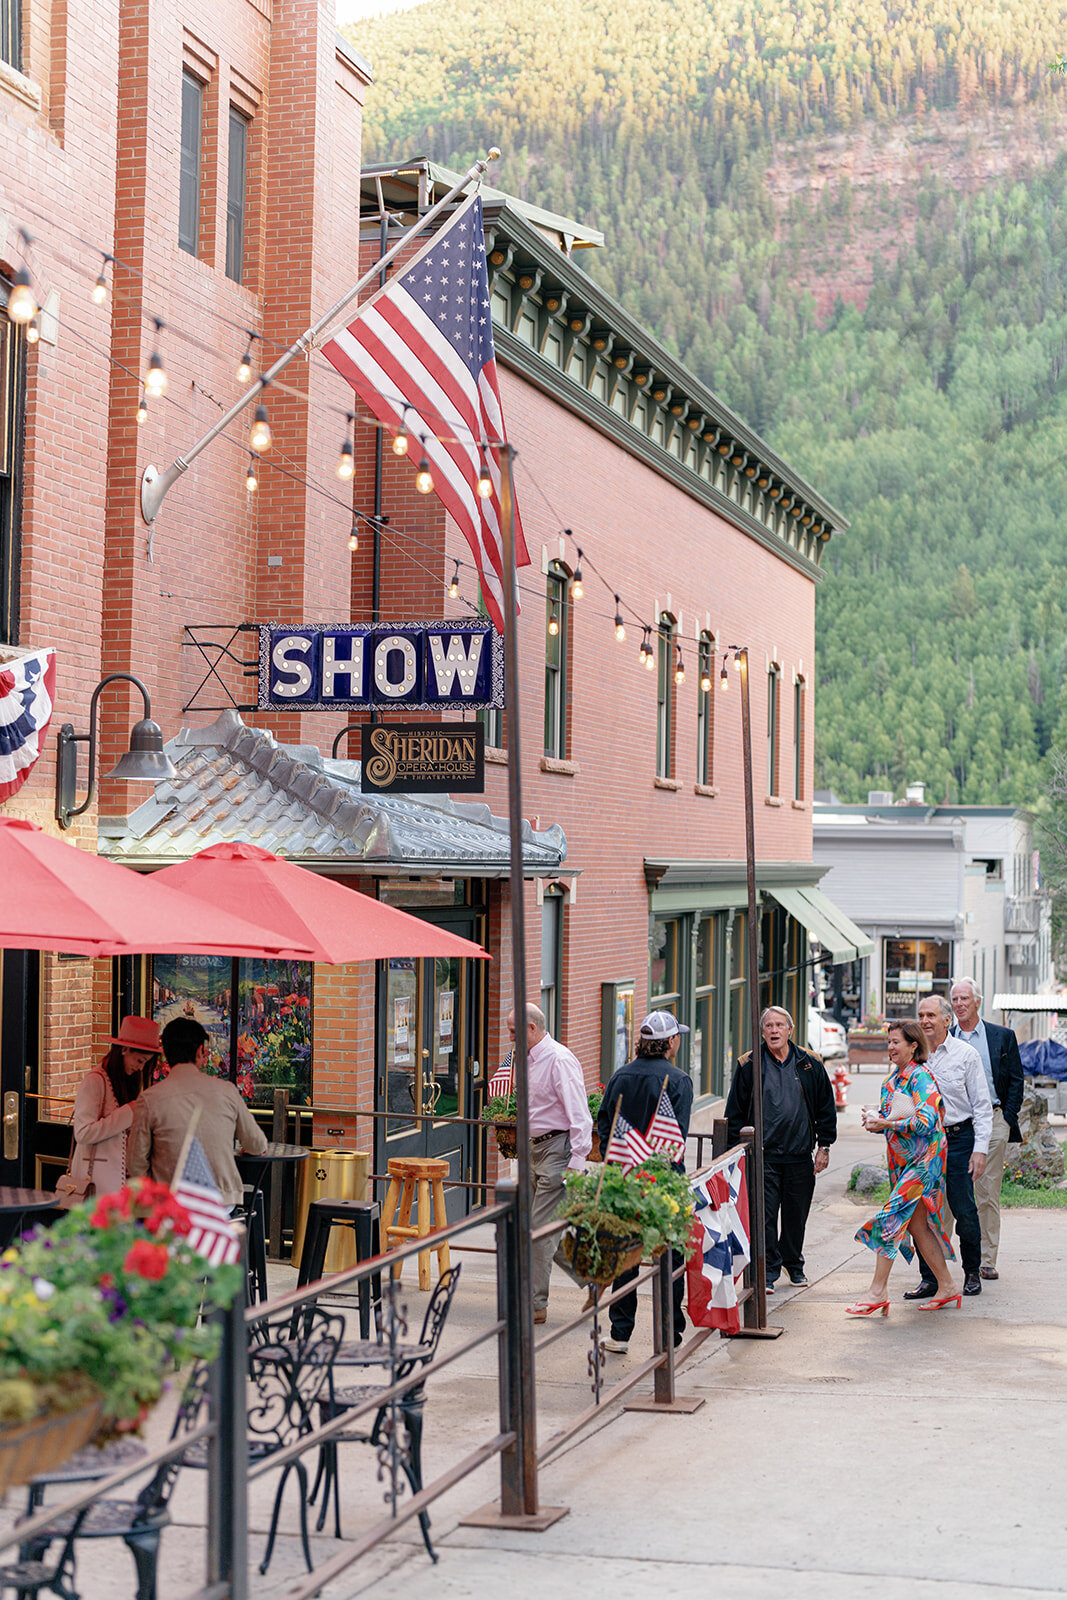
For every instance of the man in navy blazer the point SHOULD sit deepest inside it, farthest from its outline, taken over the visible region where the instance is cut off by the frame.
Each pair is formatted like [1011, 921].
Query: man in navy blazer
[999, 1051]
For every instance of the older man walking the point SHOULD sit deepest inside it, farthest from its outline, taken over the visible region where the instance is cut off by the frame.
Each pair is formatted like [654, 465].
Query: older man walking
[968, 1113]
[998, 1049]
[561, 1136]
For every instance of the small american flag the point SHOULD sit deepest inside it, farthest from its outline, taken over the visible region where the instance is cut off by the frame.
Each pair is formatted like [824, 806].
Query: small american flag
[420, 353]
[212, 1234]
[503, 1079]
[663, 1132]
[626, 1146]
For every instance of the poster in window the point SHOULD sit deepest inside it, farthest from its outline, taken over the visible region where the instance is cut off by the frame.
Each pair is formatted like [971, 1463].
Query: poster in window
[197, 988]
[274, 1030]
[616, 1026]
[446, 1002]
[401, 1029]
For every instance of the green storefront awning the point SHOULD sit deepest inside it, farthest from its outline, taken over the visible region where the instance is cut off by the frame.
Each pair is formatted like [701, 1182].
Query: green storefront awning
[837, 934]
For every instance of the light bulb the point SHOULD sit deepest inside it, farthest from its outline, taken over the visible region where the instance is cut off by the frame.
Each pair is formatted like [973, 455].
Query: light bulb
[155, 382]
[353, 541]
[142, 411]
[33, 331]
[724, 678]
[453, 588]
[620, 630]
[346, 466]
[98, 293]
[737, 663]
[553, 624]
[650, 660]
[259, 434]
[251, 477]
[400, 442]
[485, 484]
[679, 673]
[576, 587]
[423, 478]
[244, 371]
[21, 306]
[705, 682]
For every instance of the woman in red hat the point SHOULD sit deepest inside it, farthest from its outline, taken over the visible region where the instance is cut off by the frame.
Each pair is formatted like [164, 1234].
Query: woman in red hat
[107, 1103]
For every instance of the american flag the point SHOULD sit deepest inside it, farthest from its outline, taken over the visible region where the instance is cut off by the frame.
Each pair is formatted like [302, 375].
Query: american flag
[212, 1234]
[719, 1245]
[626, 1146]
[663, 1132]
[503, 1079]
[27, 692]
[420, 353]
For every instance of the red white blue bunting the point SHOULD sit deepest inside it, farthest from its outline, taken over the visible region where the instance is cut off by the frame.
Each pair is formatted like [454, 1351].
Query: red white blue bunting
[27, 694]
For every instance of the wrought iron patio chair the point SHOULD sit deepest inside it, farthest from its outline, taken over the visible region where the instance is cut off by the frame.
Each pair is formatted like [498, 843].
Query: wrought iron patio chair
[398, 1360]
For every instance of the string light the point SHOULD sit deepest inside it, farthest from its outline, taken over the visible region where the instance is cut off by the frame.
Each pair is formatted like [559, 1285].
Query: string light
[353, 540]
[705, 680]
[142, 410]
[98, 293]
[485, 482]
[33, 330]
[244, 370]
[251, 476]
[553, 622]
[737, 663]
[648, 655]
[620, 626]
[155, 382]
[346, 464]
[424, 478]
[259, 435]
[724, 676]
[679, 668]
[21, 306]
[453, 588]
[400, 438]
[576, 583]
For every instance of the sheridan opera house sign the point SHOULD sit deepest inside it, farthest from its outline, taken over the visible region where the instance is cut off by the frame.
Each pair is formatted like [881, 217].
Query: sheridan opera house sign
[423, 666]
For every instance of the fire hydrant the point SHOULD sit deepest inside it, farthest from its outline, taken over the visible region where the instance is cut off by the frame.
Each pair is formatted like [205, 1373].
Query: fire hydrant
[840, 1086]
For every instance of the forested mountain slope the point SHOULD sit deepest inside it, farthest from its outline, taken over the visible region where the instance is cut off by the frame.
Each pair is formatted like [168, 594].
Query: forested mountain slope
[756, 168]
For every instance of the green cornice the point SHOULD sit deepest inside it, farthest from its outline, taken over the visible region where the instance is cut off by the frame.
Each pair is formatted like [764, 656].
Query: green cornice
[723, 463]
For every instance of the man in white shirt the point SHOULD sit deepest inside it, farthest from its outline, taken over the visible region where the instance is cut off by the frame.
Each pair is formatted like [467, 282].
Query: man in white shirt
[561, 1136]
[999, 1050]
[957, 1070]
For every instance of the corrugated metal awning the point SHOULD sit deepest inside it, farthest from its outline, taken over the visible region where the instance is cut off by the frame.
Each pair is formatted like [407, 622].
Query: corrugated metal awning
[837, 934]
[1030, 1002]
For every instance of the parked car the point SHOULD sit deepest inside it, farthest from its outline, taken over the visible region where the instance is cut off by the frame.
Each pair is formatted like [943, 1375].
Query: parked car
[825, 1036]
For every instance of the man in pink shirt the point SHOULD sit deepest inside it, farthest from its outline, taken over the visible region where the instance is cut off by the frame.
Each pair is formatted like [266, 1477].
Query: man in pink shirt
[561, 1136]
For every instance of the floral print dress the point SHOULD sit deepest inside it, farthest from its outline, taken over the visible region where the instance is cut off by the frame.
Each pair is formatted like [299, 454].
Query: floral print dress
[917, 1152]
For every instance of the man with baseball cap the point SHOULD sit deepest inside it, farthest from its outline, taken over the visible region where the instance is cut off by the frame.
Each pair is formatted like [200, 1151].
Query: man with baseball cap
[799, 1118]
[635, 1089]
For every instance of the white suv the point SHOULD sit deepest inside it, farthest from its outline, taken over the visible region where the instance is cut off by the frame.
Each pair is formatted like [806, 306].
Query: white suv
[826, 1037]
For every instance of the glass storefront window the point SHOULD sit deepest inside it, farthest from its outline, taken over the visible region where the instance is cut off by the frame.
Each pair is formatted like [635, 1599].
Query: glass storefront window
[913, 968]
[664, 973]
[702, 1052]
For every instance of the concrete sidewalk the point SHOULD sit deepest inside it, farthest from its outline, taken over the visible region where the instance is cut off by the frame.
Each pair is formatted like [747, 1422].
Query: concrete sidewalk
[918, 1456]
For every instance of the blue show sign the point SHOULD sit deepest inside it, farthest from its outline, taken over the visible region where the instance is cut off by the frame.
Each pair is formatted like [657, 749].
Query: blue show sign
[430, 666]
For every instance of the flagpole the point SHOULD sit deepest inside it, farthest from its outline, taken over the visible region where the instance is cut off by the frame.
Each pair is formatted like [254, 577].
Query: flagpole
[155, 484]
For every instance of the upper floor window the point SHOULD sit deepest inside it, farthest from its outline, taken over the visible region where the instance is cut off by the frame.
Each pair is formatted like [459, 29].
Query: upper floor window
[799, 734]
[236, 195]
[666, 663]
[557, 638]
[11, 33]
[191, 154]
[11, 401]
[705, 710]
[774, 684]
[552, 958]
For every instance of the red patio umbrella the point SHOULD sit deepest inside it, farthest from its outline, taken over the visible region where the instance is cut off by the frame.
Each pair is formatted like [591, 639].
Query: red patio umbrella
[57, 897]
[339, 924]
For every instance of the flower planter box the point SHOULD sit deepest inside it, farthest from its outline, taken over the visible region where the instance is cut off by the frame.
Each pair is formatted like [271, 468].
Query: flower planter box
[45, 1443]
[867, 1049]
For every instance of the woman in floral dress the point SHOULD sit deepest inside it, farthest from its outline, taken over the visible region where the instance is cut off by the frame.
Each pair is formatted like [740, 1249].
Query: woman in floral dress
[916, 1150]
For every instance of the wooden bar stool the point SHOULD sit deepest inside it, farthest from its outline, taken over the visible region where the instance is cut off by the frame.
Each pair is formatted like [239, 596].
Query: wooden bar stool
[419, 1181]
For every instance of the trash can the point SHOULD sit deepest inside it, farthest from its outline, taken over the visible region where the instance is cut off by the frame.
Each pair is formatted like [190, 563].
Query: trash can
[330, 1175]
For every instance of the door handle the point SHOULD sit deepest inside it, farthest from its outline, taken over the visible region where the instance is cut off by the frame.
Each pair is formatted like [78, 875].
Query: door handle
[11, 1125]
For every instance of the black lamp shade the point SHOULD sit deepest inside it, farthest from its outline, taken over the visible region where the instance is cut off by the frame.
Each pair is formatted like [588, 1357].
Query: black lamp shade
[144, 761]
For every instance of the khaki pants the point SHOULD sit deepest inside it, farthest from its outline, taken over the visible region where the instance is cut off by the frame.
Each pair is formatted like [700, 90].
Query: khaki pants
[987, 1189]
[548, 1163]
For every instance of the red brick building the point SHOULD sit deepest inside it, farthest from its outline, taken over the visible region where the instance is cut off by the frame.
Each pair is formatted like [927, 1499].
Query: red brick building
[213, 186]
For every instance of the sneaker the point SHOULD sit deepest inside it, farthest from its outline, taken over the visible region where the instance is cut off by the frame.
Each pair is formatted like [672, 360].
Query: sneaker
[770, 1286]
[798, 1280]
[618, 1347]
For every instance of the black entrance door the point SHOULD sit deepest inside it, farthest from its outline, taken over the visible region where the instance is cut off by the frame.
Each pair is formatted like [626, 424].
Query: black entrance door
[18, 1065]
[430, 1023]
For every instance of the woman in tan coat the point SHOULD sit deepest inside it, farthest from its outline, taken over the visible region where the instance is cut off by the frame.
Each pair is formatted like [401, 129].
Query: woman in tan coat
[107, 1105]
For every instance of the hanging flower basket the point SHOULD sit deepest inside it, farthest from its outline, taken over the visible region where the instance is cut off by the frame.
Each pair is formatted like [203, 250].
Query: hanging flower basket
[507, 1138]
[45, 1443]
[597, 1253]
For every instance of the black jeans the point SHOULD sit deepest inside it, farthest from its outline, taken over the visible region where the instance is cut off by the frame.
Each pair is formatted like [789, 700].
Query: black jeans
[788, 1186]
[623, 1313]
[959, 1191]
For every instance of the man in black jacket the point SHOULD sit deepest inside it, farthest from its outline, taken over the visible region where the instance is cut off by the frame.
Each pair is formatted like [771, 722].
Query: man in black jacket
[798, 1115]
[635, 1089]
[1002, 1064]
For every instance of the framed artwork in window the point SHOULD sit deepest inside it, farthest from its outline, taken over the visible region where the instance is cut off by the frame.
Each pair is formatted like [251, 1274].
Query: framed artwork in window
[616, 1025]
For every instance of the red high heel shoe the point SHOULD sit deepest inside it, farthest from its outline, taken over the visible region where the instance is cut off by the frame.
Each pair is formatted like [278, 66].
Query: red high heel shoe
[867, 1308]
[954, 1299]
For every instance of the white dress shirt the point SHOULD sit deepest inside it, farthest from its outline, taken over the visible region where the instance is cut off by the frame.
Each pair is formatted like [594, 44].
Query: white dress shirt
[960, 1077]
[557, 1098]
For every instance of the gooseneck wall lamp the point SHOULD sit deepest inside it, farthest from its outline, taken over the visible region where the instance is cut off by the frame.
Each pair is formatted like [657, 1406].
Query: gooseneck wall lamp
[144, 761]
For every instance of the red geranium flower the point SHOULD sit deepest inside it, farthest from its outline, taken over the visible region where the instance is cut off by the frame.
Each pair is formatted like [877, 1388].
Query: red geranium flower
[147, 1260]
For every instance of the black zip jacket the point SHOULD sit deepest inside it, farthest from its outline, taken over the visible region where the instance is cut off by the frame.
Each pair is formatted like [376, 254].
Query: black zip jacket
[814, 1082]
[636, 1087]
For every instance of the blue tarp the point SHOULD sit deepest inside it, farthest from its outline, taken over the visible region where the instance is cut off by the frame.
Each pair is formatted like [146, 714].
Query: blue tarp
[1044, 1058]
